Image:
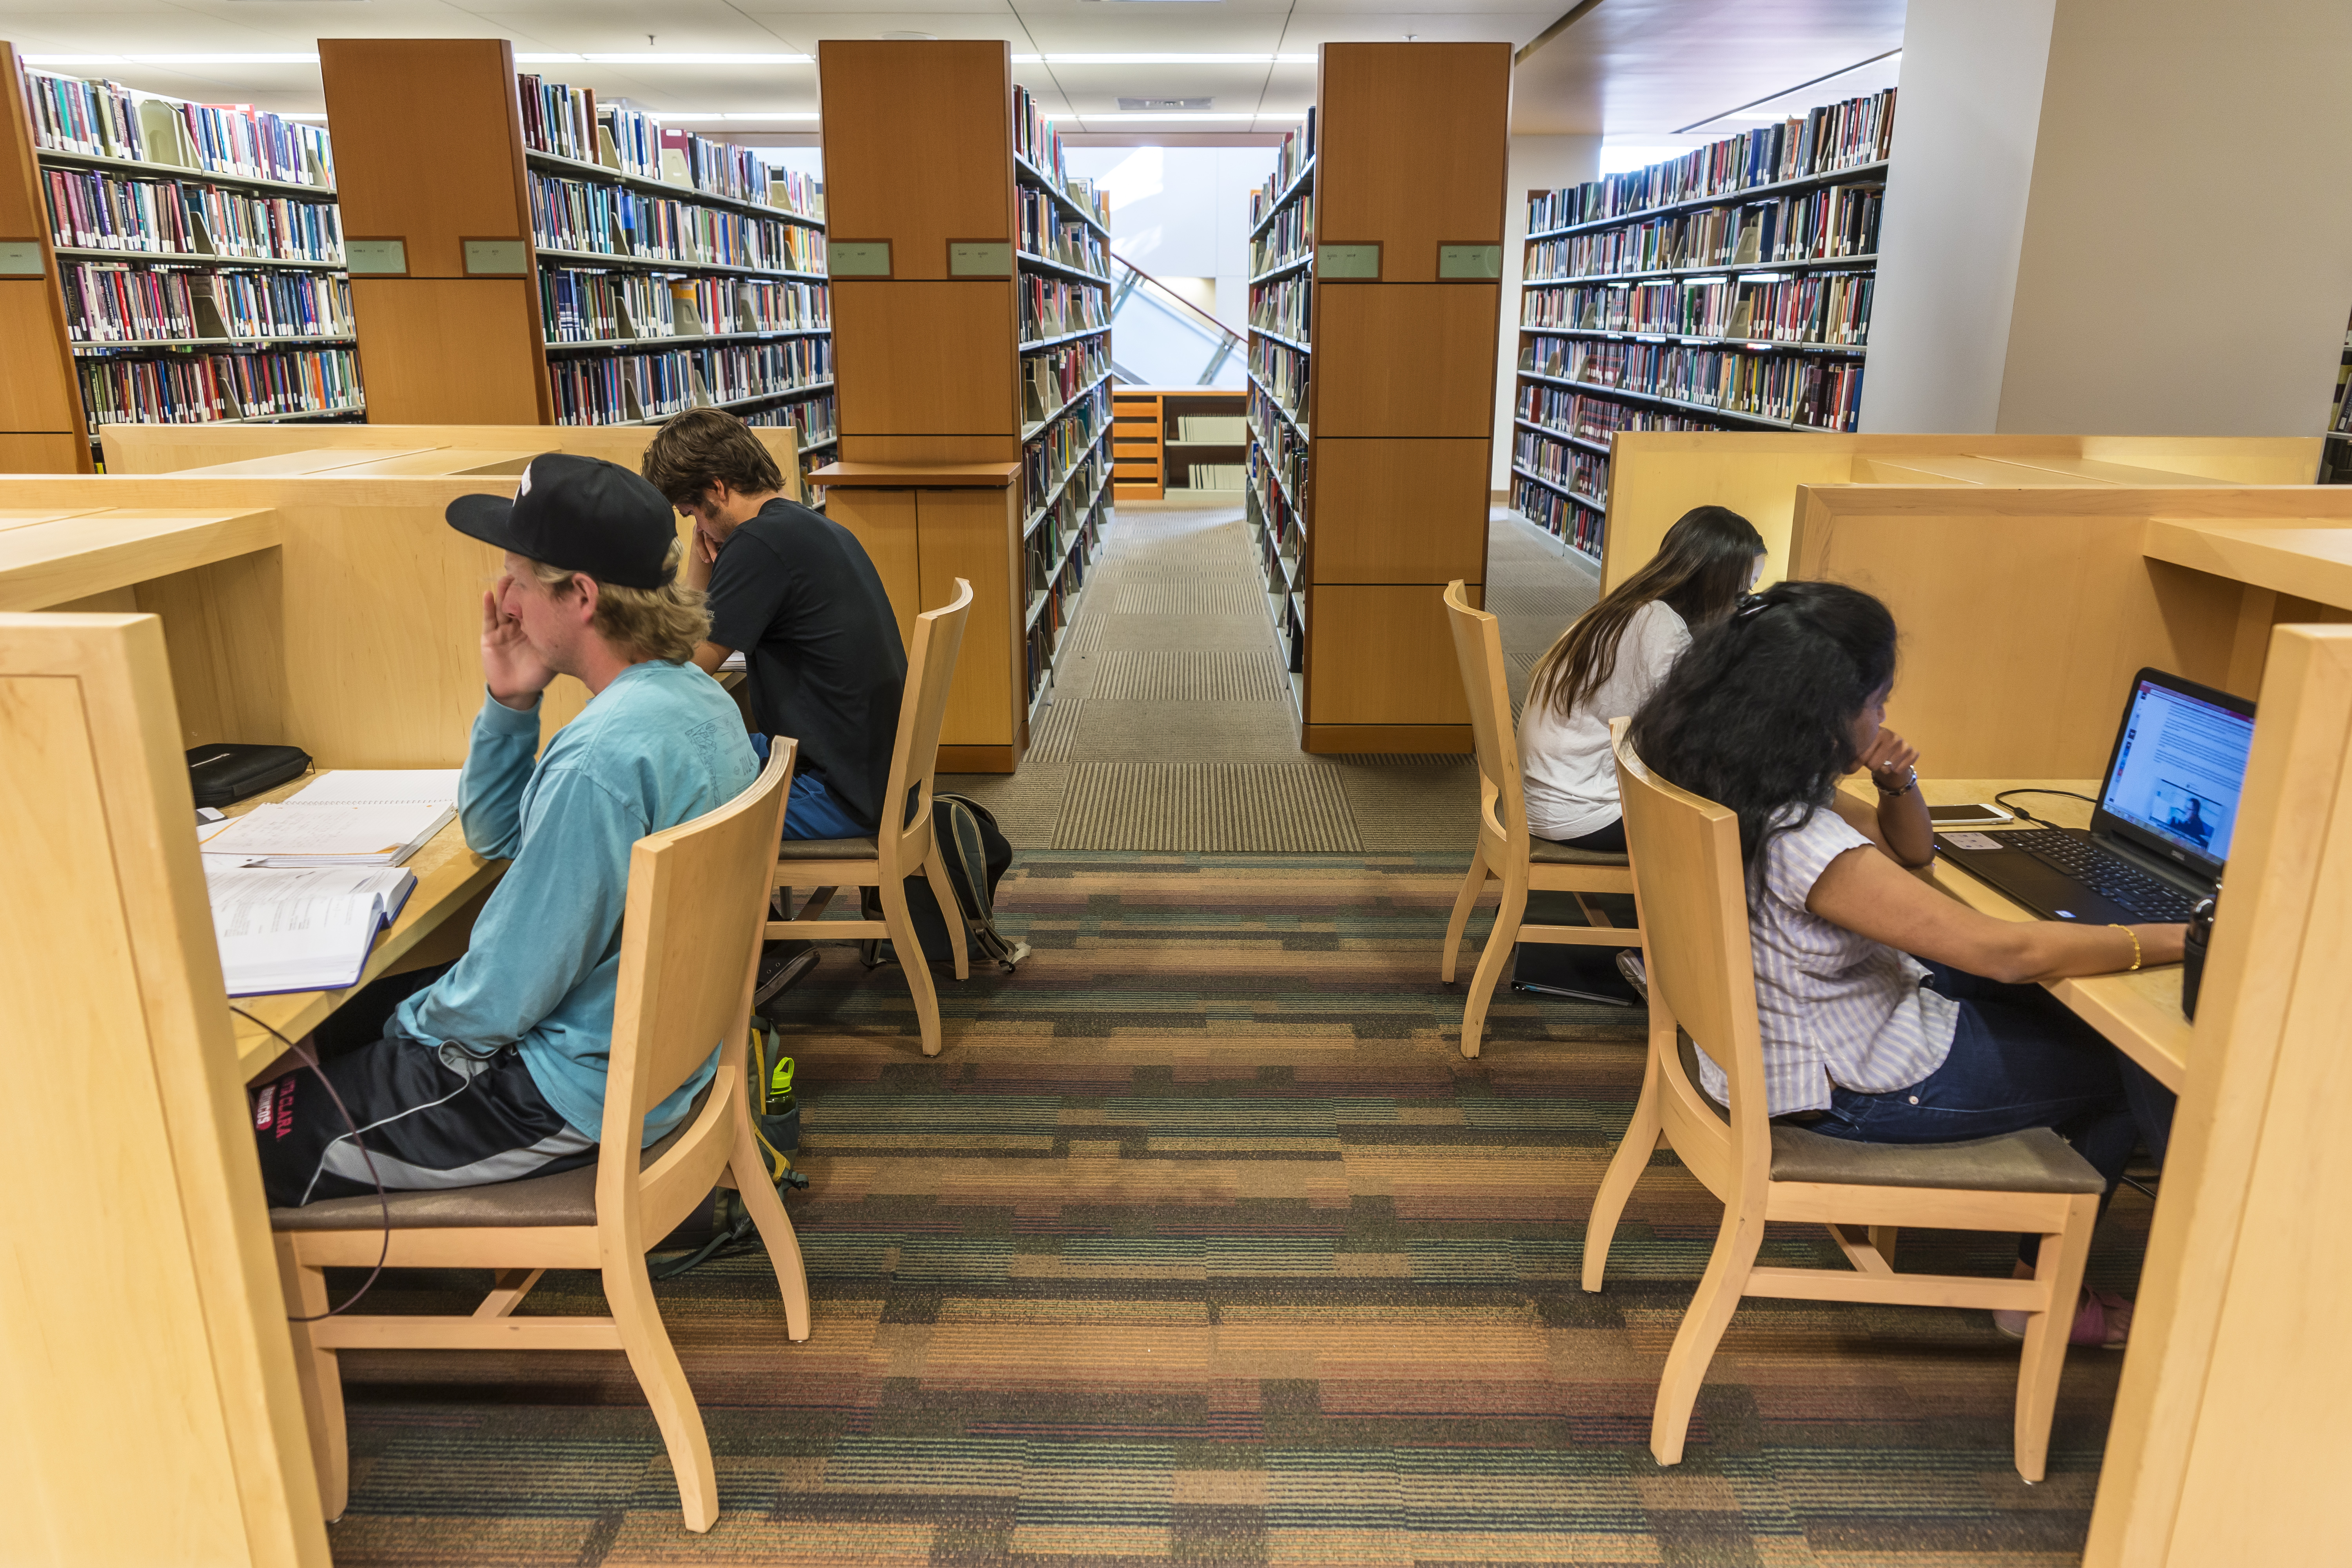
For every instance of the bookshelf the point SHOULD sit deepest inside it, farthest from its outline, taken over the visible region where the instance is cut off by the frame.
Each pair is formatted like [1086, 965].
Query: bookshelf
[971, 295]
[1727, 290]
[162, 262]
[1375, 263]
[2335, 449]
[569, 262]
[1164, 436]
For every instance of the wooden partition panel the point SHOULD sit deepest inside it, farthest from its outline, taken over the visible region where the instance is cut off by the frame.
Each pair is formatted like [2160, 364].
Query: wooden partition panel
[1405, 364]
[924, 358]
[161, 1353]
[413, 331]
[41, 427]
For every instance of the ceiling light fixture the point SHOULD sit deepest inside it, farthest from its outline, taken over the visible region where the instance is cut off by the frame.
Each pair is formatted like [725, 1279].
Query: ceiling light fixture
[666, 58]
[170, 60]
[1165, 59]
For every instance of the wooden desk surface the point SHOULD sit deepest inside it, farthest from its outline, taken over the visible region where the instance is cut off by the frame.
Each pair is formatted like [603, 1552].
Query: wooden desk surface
[74, 556]
[450, 879]
[313, 460]
[442, 460]
[2138, 1011]
[20, 517]
[2310, 558]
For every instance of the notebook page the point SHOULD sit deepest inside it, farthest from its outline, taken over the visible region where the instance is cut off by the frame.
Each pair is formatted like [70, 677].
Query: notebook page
[380, 787]
[348, 832]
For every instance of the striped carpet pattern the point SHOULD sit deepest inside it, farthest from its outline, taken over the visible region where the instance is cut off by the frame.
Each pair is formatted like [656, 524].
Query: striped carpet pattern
[1227, 807]
[1189, 675]
[1200, 1244]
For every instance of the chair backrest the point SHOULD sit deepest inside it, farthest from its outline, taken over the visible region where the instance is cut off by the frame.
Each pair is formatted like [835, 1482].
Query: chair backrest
[1689, 882]
[915, 756]
[690, 946]
[1478, 649]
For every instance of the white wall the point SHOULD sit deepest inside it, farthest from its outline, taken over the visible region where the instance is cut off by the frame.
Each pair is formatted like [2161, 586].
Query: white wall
[1182, 212]
[1537, 164]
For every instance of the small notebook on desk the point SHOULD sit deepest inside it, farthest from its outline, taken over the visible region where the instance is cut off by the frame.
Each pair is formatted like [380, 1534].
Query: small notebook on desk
[351, 817]
[301, 929]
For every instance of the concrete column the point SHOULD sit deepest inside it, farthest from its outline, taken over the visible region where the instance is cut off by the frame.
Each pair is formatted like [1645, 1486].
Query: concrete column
[2115, 217]
[1537, 164]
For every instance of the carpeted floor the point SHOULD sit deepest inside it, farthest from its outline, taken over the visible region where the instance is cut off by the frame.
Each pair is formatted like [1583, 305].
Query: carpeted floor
[1201, 1244]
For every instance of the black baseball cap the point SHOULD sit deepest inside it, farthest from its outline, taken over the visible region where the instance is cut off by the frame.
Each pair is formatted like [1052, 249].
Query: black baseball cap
[583, 515]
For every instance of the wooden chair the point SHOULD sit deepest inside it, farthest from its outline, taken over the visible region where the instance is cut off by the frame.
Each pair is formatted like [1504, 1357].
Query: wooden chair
[1506, 848]
[1686, 854]
[690, 954]
[885, 861]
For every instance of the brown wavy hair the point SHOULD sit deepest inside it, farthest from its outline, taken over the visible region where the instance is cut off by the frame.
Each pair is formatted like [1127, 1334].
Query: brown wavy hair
[1701, 569]
[703, 445]
[662, 623]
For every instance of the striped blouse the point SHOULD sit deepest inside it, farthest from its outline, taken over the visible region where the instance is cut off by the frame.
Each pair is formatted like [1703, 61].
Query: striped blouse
[1833, 1007]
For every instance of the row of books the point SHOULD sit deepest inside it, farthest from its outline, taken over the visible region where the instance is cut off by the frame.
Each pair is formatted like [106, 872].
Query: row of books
[1282, 513]
[105, 118]
[1795, 388]
[1596, 416]
[115, 302]
[1273, 568]
[1289, 237]
[1035, 141]
[1587, 473]
[1846, 135]
[1047, 546]
[195, 389]
[564, 121]
[1282, 372]
[1284, 449]
[569, 214]
[1046, 232]
[627, 386]
[585, 305]
[1045, 633]
[97, 209]
[1813, 226]
[1281, 306]
[1830, 308]
[1580, 527]
[1051, 379]
[813, 417]
[1056, 452]
[1055, 307]
[1297, 149]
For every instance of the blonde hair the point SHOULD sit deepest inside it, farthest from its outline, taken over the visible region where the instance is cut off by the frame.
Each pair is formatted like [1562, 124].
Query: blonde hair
[662, 623]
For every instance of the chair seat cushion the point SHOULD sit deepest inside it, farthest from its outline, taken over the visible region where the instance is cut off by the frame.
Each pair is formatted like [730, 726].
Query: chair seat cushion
[828, 849]
[1544, 852]
[2034, 1161]
[566, 1198]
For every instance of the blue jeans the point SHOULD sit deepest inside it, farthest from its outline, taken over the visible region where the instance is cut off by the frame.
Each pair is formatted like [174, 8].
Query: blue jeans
[812, 812]
[2019, 1059]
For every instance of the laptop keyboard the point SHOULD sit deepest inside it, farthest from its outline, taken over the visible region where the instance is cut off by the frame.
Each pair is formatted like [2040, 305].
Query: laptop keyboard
[2110, 876]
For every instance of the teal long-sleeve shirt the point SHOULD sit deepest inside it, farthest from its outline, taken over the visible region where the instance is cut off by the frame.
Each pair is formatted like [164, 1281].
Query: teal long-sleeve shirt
[662, 744]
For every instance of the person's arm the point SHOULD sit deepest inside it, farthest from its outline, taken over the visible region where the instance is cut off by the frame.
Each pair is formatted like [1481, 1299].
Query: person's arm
[1868, 894]
[747, 594]
[710, 655]
[1901, 825]
[505, 733]
[548, 923]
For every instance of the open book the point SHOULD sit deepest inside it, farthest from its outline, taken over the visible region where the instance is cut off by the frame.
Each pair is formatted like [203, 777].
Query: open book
[306, 929]
[350, 818]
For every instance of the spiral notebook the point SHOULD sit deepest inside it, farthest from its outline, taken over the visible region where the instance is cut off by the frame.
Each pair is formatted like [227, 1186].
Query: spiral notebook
[350, 817]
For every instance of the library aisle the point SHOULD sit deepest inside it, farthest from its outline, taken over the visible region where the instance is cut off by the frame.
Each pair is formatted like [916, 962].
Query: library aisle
[1201, 1243]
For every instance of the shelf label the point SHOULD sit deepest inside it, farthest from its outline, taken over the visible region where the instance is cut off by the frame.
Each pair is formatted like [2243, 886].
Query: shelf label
[362, 257]
[1470, 261]
[858, 258]
[1338, 262]
[980, 258]
[21, 258]
[495, 258]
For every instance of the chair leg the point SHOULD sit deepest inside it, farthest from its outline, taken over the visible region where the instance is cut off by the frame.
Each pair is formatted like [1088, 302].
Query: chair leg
[1490, 963]
[1473, 882]
[2060, 1264]
[1710, 1314]
[1626, 1168]
[1882, 1238]
[935, 871]
[321, 1381]
[630, 1294]
[909, 947]
[749, 1174]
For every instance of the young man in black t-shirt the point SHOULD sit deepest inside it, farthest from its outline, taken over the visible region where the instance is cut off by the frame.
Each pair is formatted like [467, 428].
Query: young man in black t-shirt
[796, 593]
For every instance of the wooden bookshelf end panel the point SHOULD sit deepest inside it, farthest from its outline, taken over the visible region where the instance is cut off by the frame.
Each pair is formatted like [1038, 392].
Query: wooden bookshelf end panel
[1438, 533]
[1383, 655]
[427, 146]
[925, 358]
[412, 330]
[1405, 360]
[974, 534]
[36, 452]
[884, 522]
[1413, 143]
[37, 392]
[917, 145]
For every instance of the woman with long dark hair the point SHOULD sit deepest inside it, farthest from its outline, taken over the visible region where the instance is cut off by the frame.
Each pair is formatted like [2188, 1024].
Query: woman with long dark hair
[1611, 660]
[1890, 1013]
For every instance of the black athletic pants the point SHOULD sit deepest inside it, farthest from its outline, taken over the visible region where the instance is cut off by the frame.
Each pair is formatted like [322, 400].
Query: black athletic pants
[423, 1123]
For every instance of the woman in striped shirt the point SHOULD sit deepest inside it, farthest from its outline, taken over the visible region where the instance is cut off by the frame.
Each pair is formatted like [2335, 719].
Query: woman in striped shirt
[1889, 1012]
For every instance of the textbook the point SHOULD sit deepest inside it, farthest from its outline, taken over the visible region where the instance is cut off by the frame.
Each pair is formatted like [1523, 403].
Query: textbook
[350, 817]
[302, 929]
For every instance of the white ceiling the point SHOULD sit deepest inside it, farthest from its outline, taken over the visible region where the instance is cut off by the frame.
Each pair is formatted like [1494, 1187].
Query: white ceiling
[1628, 69]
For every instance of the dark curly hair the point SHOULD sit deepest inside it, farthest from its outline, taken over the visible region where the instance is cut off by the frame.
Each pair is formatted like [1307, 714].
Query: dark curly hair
[1758, 714]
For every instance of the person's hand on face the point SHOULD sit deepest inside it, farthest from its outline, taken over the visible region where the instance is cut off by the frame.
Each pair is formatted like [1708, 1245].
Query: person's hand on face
[1891, 759]
[515, 671]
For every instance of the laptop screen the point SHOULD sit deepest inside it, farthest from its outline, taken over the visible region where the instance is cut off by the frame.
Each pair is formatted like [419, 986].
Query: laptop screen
[2179, 766]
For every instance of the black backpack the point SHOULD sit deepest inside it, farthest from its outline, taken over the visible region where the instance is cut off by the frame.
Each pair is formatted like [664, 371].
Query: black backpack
[978, 854]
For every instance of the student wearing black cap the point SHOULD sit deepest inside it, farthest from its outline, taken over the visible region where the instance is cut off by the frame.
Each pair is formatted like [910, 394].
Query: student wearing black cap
[493, 1068]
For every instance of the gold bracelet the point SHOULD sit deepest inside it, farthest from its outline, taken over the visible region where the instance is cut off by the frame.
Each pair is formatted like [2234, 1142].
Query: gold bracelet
[2134, 941]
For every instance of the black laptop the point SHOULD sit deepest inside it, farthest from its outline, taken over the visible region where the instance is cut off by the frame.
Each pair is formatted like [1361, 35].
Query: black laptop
[2161, 831]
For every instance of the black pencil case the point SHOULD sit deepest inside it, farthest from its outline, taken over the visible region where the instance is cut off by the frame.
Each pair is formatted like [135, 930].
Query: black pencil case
[229, 770]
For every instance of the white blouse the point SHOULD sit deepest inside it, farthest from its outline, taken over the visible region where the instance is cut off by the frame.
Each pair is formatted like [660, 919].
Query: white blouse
[1570, 776]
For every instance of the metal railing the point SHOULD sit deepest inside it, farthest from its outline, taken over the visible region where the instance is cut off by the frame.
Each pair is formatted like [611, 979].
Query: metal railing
[1159, 338]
